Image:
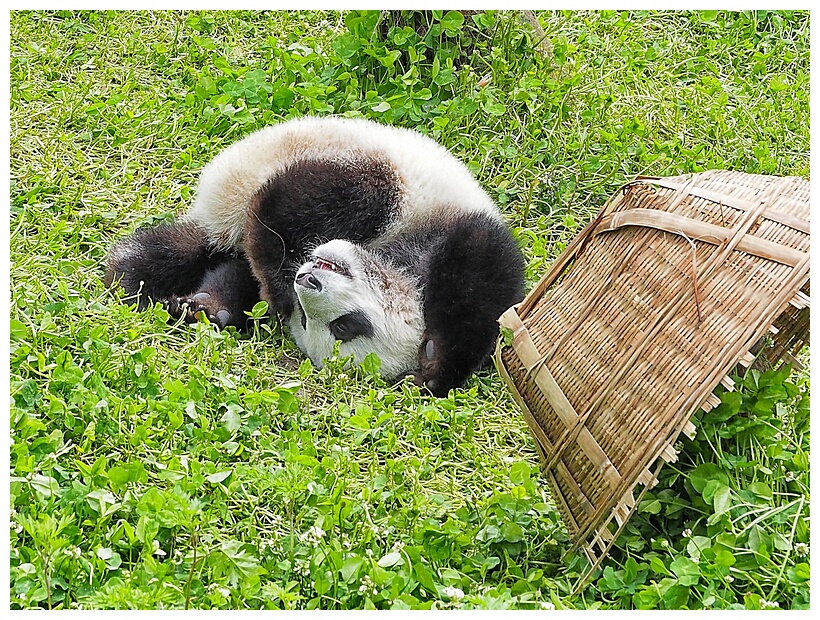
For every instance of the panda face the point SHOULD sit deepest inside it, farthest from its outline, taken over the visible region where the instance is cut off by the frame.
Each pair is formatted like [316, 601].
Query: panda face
[347, 293]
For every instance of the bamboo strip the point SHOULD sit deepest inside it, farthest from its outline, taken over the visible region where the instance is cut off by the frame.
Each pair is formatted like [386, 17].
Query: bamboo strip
[604, 553]
[543, 442]
[699, 231]
[800, 300]
[523, 345]
[780, 217]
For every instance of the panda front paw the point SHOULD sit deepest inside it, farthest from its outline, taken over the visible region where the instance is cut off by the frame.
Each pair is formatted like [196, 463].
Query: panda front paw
[194, 307]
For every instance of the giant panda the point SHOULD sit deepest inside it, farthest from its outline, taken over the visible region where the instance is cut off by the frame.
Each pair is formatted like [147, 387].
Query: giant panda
[351, 231]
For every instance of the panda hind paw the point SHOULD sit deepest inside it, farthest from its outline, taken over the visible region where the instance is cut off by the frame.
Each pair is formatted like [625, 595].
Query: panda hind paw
[194, 307]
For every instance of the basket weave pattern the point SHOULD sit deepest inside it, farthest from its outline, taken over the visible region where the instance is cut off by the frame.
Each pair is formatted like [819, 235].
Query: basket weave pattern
[628, 333]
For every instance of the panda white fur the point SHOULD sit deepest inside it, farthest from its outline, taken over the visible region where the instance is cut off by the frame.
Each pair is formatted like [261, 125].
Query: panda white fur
[351, 230]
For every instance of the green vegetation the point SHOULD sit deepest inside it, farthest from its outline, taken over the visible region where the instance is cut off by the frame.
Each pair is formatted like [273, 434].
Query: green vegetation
[157, 466]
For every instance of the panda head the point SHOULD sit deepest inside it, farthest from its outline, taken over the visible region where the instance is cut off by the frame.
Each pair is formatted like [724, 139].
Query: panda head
[348, 293]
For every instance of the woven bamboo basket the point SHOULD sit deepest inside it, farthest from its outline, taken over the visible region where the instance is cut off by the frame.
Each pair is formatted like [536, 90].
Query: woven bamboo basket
[672, 285]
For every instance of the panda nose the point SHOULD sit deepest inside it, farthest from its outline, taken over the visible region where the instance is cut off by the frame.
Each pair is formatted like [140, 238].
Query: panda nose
[308, 280]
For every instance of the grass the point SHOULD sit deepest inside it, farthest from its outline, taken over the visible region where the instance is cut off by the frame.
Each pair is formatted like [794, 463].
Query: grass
[157, 466]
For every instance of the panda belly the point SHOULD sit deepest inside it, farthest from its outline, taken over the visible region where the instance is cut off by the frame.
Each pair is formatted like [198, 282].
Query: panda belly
[424, 172]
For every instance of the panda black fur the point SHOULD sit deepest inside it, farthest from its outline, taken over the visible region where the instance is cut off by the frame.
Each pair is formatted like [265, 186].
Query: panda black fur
[350, 230]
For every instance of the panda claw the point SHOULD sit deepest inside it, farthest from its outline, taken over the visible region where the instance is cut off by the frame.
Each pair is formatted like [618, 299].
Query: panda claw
[222, 318]
[179, 307]
[197, 308]
[171, 306]
[430, 349]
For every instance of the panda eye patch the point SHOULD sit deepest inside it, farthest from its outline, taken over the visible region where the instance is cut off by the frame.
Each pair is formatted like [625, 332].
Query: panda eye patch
[350, 326]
